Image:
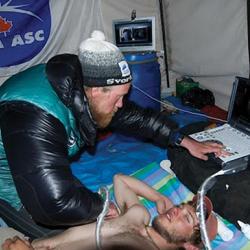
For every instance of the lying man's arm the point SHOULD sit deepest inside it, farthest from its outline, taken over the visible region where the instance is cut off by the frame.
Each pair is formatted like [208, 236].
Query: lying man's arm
[127, 189]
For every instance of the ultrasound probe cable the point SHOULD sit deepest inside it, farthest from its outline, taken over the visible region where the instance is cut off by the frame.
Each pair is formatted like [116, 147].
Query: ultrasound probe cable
[103, 191]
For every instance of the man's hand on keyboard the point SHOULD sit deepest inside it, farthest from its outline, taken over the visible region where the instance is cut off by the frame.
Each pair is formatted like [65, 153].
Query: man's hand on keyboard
[200, 149]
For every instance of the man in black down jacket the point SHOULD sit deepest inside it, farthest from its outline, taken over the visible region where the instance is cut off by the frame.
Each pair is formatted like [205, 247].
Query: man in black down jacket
[50, 112]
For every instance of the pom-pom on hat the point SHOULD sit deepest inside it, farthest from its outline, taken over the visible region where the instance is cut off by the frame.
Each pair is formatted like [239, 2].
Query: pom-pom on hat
[102, 62]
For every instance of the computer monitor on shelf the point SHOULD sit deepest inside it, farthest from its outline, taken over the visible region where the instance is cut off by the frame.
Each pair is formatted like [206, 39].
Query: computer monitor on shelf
[134, 35]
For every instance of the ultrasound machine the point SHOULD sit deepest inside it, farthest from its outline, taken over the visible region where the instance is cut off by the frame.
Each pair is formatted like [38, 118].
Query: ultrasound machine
[235, 134]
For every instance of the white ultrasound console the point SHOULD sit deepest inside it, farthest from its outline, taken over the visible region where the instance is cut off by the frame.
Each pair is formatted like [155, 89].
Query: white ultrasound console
[236, 143]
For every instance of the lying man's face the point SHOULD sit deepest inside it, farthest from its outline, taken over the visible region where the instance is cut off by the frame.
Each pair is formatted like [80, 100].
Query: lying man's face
[178, 224]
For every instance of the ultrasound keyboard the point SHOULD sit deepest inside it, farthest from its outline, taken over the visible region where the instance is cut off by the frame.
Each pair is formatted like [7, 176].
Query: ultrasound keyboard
[236, 142]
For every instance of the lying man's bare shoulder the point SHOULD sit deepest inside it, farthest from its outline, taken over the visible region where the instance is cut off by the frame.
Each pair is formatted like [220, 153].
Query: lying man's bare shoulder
[137, 215]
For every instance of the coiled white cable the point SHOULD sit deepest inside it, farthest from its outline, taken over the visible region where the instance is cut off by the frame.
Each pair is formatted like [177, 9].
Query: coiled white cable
[105, 192]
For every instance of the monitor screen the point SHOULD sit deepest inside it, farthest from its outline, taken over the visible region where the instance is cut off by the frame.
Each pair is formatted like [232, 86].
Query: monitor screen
[135, 35]
[240, 103]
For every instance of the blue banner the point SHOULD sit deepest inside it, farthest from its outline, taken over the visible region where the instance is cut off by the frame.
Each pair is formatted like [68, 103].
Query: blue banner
[25, 27]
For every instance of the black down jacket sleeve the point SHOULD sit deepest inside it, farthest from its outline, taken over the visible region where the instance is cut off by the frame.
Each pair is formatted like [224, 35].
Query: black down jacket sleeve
[36, 148]
[145, 123]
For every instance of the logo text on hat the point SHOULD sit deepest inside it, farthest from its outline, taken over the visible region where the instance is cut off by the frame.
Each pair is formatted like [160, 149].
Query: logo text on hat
[119, 81]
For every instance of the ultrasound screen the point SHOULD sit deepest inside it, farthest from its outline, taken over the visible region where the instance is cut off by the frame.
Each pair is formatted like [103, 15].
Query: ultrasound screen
[241, 107]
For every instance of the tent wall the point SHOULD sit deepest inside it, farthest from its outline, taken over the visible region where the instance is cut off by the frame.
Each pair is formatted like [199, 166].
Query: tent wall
[208, 40]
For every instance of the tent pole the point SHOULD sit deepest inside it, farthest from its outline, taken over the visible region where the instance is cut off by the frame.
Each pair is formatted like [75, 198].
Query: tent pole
[164, 42]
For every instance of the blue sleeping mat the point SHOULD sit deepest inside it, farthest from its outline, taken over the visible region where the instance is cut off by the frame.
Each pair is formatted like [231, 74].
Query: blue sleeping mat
[115, 154]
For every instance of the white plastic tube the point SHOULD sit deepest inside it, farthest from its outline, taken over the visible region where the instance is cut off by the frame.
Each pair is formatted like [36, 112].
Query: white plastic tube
[245, 228]
[100, 218]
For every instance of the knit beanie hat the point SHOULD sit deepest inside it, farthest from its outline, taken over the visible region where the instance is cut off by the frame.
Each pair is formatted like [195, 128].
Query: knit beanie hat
[102, 62]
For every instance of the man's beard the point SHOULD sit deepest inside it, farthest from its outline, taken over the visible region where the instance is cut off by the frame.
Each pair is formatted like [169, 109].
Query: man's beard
[102, 120]
[171, 237]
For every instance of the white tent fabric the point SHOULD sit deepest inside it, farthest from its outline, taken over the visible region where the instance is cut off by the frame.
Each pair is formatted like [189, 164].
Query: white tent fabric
[208, 40]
